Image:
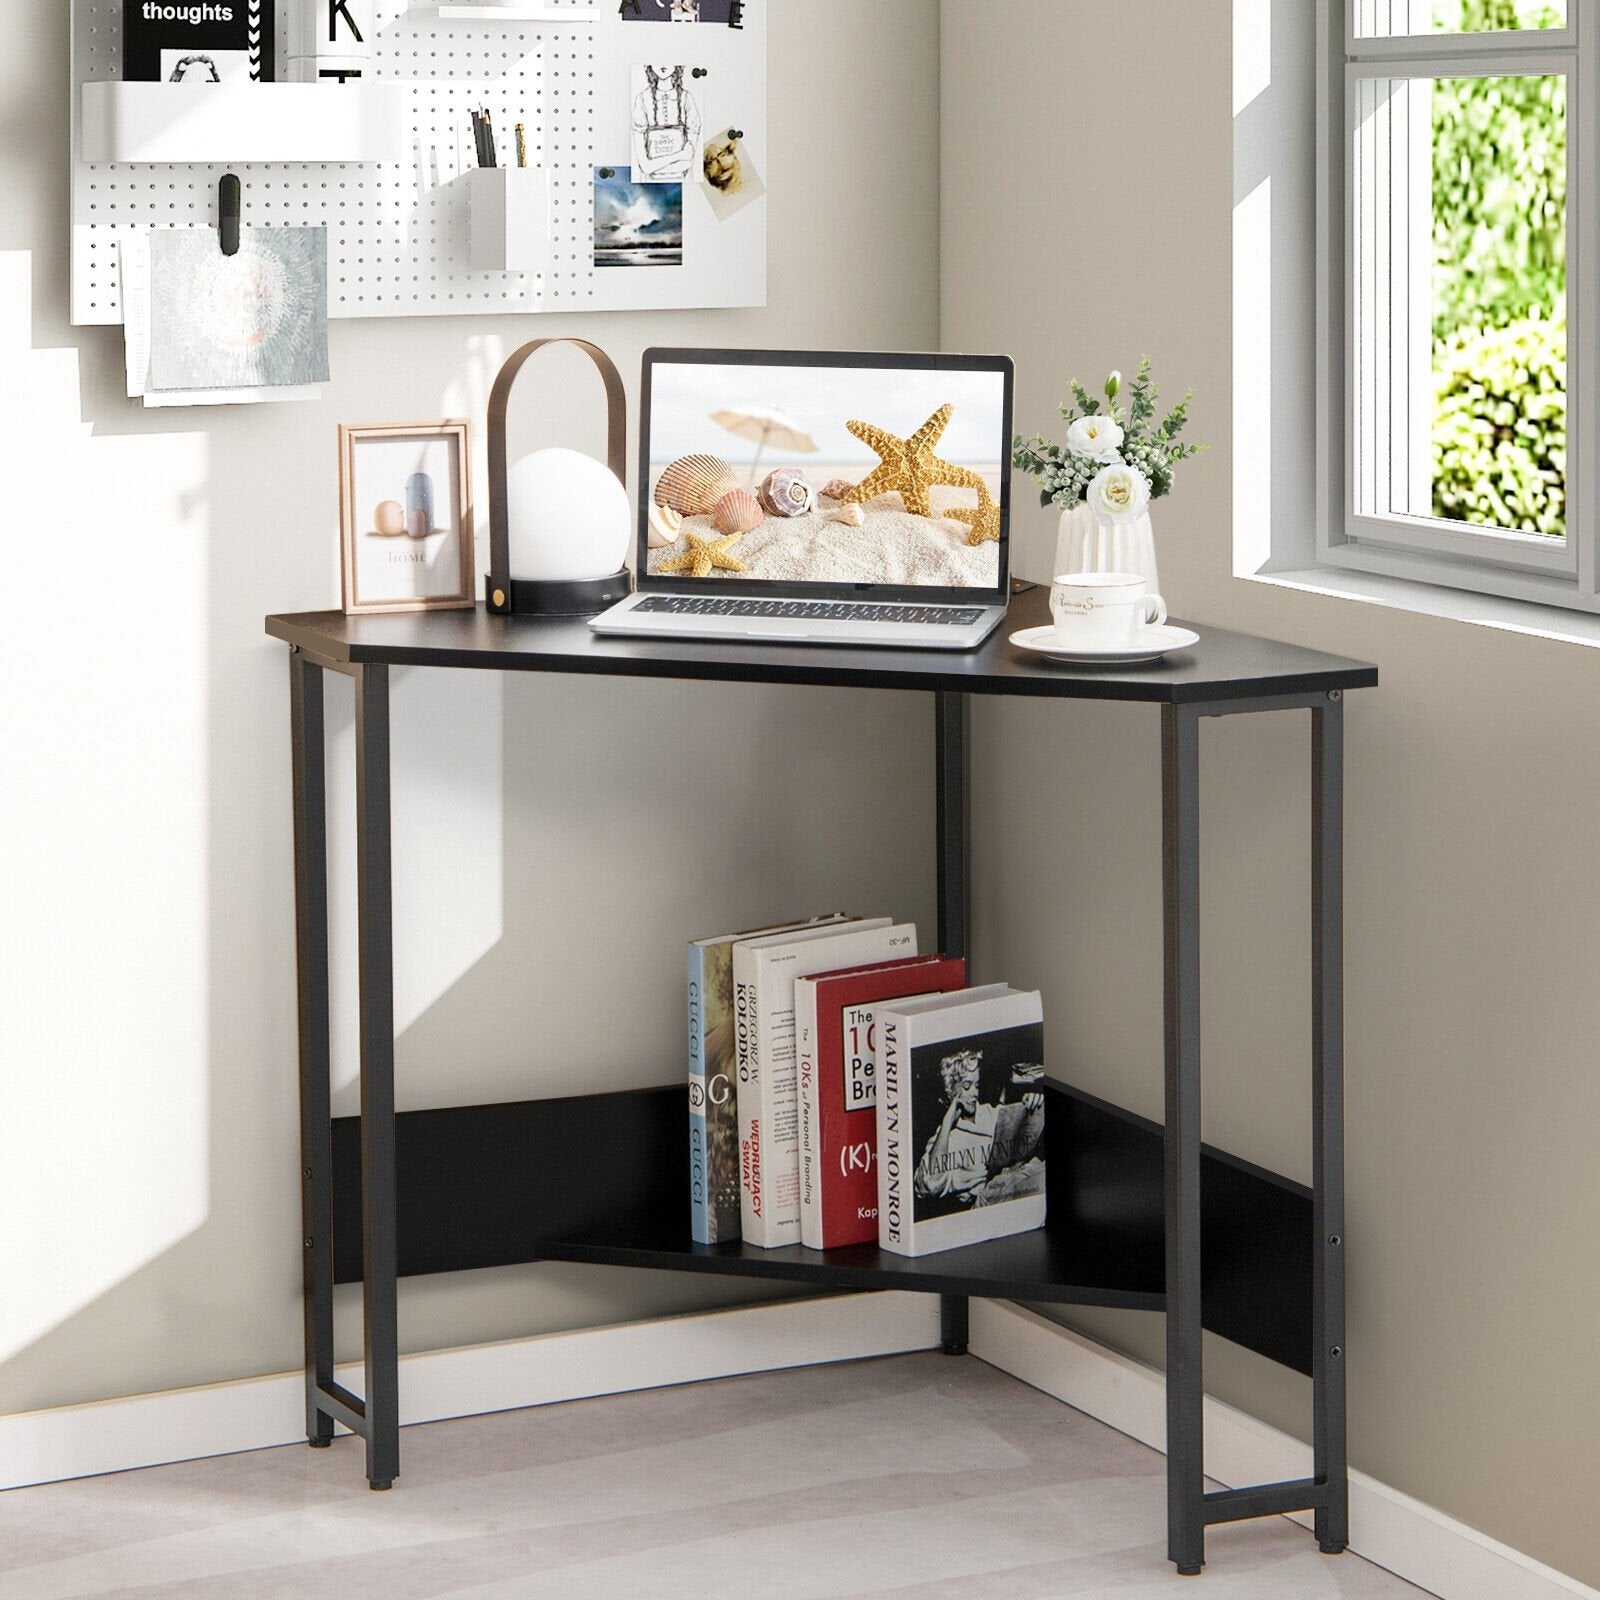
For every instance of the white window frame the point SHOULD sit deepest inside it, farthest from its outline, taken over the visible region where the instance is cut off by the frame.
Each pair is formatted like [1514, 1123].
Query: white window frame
[1514, 565]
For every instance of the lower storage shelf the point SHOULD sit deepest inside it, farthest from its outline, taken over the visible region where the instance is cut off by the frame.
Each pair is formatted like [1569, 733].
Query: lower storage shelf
[605, 1179]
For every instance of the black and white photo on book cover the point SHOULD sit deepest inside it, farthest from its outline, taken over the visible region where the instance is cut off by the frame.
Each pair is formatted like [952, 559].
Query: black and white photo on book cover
[977, 1108]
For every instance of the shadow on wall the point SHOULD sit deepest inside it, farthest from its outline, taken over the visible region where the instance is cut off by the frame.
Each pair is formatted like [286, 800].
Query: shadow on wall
[544, 837]
[1274, 295]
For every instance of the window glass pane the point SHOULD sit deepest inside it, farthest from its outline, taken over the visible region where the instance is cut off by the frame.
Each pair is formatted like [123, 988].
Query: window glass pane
[1459, 301]
[1388, 19]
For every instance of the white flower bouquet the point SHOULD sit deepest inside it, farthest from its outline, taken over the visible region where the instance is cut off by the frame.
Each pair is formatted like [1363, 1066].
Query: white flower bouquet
[1114, 462]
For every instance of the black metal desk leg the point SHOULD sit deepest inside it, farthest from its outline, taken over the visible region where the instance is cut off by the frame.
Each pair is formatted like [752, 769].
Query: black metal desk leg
[952, 820]
[1180, 772]
[953, 1324]
[311, 961]
[954, 842]
[376, 913]
[1327, 1120]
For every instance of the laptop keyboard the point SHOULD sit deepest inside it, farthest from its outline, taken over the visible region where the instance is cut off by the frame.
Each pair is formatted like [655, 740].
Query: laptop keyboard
[698, 605]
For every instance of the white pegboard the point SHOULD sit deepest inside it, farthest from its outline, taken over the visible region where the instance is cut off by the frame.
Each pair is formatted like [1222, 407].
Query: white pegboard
[399, 234]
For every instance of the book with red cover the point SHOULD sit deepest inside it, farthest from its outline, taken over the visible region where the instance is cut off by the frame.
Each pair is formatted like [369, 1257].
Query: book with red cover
[838, 1106]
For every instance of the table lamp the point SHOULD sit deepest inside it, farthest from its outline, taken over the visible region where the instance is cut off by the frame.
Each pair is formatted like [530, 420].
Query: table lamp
[559, 521]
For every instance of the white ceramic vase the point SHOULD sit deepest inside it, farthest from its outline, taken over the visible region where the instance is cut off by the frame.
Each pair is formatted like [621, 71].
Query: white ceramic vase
[1085, 544]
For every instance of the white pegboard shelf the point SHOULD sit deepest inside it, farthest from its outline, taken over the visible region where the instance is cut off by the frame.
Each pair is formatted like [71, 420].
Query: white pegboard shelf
[464, 13]
[208, 122]
[400, 231]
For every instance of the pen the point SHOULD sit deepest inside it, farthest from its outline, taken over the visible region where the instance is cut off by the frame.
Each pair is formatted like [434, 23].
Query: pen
[522, 146]
[477, 138]
[488, 140]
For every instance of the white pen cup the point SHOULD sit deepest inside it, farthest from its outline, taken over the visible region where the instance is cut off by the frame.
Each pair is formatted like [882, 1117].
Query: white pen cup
[1103, 608]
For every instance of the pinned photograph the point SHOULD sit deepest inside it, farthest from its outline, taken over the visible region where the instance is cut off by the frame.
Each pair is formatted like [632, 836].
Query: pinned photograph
[255, 319]
[405, 517]
[721, 12]
[732, 181]
[636, 224]
[668, 114]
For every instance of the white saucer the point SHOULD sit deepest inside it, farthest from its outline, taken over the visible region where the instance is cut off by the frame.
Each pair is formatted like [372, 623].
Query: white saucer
[1151, 645]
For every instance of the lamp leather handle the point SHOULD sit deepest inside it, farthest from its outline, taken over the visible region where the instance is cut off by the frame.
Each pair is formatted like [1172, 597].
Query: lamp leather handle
[499, 402]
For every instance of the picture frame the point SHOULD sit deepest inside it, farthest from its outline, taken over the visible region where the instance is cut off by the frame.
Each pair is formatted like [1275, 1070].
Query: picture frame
[406, 517]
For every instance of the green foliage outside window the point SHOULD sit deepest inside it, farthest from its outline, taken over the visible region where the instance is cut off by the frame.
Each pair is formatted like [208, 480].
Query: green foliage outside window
[1500, 285]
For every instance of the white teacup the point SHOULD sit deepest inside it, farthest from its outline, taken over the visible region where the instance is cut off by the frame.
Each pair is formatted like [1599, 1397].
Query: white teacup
[1103, 608]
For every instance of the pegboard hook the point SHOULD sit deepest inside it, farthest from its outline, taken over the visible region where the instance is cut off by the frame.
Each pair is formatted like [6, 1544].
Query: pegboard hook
[229, 202]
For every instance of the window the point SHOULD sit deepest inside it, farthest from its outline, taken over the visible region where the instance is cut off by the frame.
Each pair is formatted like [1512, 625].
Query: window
[1457, 310]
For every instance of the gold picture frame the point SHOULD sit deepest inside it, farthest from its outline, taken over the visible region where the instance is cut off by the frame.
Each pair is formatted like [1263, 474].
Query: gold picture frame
[398, 553]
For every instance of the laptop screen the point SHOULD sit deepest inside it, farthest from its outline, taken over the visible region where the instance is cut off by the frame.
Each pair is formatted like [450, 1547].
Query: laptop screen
[826, 473]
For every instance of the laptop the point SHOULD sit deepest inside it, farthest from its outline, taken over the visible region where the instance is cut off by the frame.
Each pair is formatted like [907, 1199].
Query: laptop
[821, 497]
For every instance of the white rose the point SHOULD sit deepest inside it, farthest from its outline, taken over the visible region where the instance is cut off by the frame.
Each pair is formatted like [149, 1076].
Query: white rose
[1097, 437]
[1118, 493]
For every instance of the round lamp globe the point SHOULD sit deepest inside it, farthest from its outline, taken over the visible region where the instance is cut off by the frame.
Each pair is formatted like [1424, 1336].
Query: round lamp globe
[567, 516]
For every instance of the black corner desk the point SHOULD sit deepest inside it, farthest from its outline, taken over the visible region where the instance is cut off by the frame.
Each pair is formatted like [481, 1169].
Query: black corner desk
[1141, 1215]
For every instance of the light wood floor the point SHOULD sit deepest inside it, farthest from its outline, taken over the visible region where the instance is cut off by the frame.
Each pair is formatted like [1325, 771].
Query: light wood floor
[919, 1477]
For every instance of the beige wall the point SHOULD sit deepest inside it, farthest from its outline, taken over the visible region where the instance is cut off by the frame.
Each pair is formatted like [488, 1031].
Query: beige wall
[1087, 193]
[147, 1084]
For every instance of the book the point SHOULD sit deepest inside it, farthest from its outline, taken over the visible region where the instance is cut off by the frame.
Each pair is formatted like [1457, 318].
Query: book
[835, 1048]
[961, 1154]
[713, 1104]
[764, 971]
[198, 41]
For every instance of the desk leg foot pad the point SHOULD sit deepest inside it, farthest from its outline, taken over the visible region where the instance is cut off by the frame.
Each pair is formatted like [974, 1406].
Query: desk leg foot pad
[320, 1444]
[1333, 1549]
[380, 1484]
[1191, 1572]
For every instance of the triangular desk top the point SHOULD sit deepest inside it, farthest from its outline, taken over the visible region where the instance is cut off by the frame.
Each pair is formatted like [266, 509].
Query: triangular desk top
[1222, 666]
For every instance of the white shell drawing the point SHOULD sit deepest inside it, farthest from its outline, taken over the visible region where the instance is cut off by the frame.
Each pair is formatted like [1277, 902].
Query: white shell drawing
[666, 527]
[787, 493]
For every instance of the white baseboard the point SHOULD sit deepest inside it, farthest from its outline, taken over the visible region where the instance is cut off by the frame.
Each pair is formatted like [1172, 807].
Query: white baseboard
[1407, 1537]
[1410, 1539]
[253, 1414]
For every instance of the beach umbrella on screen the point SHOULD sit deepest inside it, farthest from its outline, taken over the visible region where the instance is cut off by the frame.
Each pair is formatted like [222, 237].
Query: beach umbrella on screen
[768, 427]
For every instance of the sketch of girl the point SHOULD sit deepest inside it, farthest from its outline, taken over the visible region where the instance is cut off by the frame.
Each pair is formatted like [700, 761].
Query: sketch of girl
[666, 125]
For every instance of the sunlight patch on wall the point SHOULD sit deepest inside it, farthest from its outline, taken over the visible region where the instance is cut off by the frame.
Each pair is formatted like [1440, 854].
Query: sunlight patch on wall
[1252, 379]
[104, 957]
[1252, 51]
[448, 846]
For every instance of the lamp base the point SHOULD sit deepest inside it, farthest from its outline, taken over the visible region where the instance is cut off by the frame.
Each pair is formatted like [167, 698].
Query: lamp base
[556, 597]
